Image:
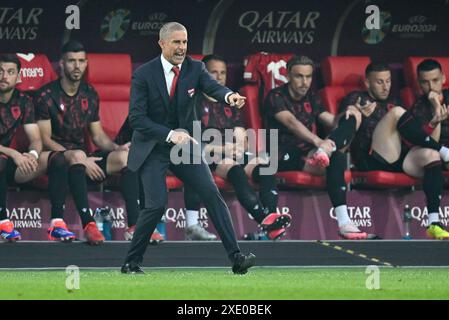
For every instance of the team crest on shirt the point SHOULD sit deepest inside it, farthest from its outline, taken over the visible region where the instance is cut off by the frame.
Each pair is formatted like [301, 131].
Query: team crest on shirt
[308, 107]
[228, 112]
[205, 118]
[84, 104]
[62, 107]
[191, 92]
[15, 111]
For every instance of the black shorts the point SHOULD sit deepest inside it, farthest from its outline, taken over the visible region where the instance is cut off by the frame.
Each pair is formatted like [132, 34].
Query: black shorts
[375, 161]
[98, 154]
[292, 159]
[101, 163]
[11, 169]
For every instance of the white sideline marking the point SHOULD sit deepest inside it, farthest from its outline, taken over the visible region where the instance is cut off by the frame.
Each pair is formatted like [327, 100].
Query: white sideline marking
[226, 267]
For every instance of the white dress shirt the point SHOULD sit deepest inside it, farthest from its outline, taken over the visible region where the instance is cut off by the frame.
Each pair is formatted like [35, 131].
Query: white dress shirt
[168, 72]
[169, 76]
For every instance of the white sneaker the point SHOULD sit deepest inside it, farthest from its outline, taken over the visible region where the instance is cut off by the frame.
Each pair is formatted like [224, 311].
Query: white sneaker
[351, 232]
[197, 232]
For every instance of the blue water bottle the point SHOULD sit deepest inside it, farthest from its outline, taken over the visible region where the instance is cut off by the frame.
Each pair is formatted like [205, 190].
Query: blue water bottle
[103, 219]
[162, 229]
[107, 223]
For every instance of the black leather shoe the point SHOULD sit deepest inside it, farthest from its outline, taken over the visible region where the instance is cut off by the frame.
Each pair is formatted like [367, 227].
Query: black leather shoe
[243, 262]
[132, 268]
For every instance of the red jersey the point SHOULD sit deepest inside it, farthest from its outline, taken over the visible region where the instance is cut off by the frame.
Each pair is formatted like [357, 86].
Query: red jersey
[36, 71]
[266, 69]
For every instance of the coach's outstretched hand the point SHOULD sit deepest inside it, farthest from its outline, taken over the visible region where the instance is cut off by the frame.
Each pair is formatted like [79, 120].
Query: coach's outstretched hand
[180, 137]
[236, 100]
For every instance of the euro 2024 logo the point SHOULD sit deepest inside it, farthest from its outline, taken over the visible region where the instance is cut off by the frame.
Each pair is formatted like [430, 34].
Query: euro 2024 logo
[377, 25]
[115, 25]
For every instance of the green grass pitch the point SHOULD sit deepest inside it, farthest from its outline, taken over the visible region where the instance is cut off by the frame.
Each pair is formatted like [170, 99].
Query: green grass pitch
[220, 283]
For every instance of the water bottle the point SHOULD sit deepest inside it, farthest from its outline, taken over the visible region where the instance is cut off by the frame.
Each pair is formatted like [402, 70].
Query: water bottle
[98, 219]
[407, 218]
[107, 223]
[103, 219]
[162, 229]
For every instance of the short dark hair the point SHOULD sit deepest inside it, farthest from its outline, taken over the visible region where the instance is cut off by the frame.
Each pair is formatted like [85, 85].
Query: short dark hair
[299, 60]
[10, 57]
[428, 65]
[376, 67]
[72, 46]
[210, 57]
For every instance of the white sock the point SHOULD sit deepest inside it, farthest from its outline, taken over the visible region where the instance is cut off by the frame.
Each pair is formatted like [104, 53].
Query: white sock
[6, 220]
[192, 217]
[53, 221]
[434, 217]
[444, 154]
[342, 215]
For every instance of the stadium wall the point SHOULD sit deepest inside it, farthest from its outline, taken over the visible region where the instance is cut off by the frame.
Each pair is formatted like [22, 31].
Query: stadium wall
[232, 28]
[377, 212]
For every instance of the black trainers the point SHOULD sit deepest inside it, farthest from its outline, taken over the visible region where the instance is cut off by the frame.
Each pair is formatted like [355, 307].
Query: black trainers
[132, 268]
[243, 262]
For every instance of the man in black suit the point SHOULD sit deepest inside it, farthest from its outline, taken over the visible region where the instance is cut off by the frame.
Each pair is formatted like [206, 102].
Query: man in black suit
[162, 92]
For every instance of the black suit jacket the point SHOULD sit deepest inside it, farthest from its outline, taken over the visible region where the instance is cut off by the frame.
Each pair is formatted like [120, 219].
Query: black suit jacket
[149, 103]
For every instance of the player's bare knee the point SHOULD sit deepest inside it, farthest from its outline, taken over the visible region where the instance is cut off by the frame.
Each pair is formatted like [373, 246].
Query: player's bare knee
[430, 155]
[228, 163]
[258, 161]
[42, 163]
[122, 159]
[76, 157]
[397, 112]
